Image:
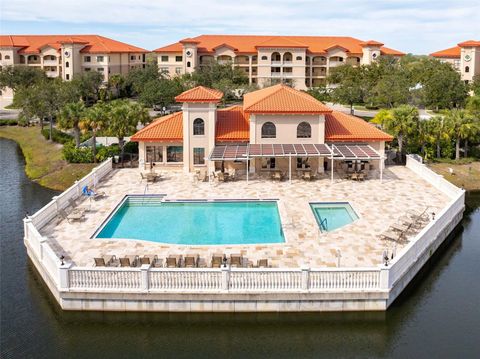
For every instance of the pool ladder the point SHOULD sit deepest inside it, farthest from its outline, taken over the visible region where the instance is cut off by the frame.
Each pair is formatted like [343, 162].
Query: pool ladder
[323, 224]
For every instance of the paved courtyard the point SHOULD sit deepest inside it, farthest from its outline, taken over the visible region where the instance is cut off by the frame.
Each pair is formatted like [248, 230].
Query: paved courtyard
[378, 205]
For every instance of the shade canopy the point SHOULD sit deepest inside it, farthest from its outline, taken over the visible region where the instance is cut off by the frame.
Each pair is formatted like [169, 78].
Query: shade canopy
[355, 152]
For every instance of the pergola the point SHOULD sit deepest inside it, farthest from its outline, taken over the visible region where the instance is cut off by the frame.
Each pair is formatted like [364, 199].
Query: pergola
[333, 152]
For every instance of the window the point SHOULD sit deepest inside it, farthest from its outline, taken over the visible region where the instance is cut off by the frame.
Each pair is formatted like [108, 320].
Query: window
[340, 59]
[67, 64]
[178, 58]
[175, 154]
[67, 77]
[7, 57]
[264, 58]
[302, 163]
[269, 130]
[467, 69]
[154, 154]
[268, 163]
[178, 70]
[87, 69]
[164, 58]
[164, 69]
[99, 58]
[304, 130]
[198, 127]
[132, 57]
[188, 64]
[100, 69]
[87, 59]
[299, 58]
[198, 156]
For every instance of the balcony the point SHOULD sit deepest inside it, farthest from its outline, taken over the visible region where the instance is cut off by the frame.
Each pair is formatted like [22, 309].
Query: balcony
[277, 63]
[287, 62]
[275, 74]
[50, 62]
[51, 73]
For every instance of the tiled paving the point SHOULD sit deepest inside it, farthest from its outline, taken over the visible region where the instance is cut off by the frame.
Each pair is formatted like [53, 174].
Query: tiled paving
[378, 204]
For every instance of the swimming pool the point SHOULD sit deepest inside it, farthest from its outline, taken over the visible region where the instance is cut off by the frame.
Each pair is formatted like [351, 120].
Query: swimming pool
[331, 216]
[196, 222]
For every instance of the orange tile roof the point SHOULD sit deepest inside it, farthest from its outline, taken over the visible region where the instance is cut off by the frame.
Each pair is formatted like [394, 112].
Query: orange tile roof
[31, 44]
[346, 128]
[469, 43]
[166, 128]
[451, 52]
[371, 43]
[282, 99]
[249, 43]
[232, 125]
[200, 94]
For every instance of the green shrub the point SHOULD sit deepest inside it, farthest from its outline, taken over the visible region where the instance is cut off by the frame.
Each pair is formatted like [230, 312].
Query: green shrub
[131, 147]
[77, 155]
[57, 136]
[104, 152]
[8, 122]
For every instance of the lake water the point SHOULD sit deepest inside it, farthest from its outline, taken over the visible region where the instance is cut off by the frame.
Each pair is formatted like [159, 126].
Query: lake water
[439, 316]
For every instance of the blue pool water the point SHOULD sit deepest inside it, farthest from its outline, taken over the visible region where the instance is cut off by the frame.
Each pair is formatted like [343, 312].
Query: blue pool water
[331, 216]
[197, 223]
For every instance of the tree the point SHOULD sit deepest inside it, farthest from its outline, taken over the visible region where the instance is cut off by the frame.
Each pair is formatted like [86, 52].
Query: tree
[138, 77]
[403, 122]
[463, 127]
[95, 118]
[117, 82]
[123, 118]
[475, 86]
[440, 131]
[70, 116]
[16, 77]
[382, 117]
[349, 86]
[159, 92]
[321, 93]
[87, 85]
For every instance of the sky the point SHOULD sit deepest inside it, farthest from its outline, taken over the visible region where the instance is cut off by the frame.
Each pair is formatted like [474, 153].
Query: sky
[414, 26]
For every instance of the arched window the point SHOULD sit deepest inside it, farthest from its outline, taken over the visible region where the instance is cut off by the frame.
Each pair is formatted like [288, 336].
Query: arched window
[188, 64]
[276, 57]
[264, 58]
[7, 57]
[269, 130]
[304, 130]
[467, 68]
[198, 127]
[67, 64]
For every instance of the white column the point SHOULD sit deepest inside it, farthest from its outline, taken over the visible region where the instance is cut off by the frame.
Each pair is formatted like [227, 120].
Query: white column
[290, 168]
[144, 277]
[225, 278]
[381, 170]
[63, 274]
[331, 169]
[305, 278]
[248, 170]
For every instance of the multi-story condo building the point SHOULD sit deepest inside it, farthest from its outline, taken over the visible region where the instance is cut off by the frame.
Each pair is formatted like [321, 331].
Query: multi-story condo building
[465, 58]
[302, 61]
[66, 55]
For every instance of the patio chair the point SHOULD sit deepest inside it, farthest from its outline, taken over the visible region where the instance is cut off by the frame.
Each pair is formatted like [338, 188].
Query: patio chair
[361, 176]
[221, 177]
[76, 207]
[173, 261]
[157, 263]
[262, 263]
[236, 260]
[216, 261]
[354, 176]
[231, 174]
[190, 261]
[307, 176]
[75, 215]
[99, 262]
[148, 259]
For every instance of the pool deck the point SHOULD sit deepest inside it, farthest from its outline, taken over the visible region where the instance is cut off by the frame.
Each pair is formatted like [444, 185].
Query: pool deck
[378, 205]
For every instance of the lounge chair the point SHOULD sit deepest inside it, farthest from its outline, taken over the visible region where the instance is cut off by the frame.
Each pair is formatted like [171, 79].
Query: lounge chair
[79, 208]
[173, 261]
[277, 175]
[130, 261]
[148, 259]
[236, 260]
[158, 263]
[361, 176]
[307, 175]
[221, 177]
[262, 263]
[354, 176]
[217, 261]
[105, 261]
[191, 261]
[389, 235]
[75, 215]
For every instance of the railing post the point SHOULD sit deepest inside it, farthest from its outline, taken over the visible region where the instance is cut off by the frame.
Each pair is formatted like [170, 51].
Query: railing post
[26, 220]
[305, 278]
[54, 198]
[63, 274]
[145, 285]
[225, 278]
[78, 189]
[384, 278]
[43, 242]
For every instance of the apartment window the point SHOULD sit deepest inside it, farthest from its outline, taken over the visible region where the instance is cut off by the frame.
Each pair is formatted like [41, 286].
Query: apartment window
[269, 130]
[198, 156]
[100, 69]
[175, 154]
[67, 64]
[164, 69]
[467, 69]
[340, 59]
[188, 64]
[268, 163]
[99, 58]
[198, 127]
[87, 69]
[154, 154]
[164, 58]
[87, 59]
[299, 58]
[178, 58]
[7, 57]
[304, 130]
[67, 77]
[178, 70]
[302, 163]
[264, 58]
[132, 57]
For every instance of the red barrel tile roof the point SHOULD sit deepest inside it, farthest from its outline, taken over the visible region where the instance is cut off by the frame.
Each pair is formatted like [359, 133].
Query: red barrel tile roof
[232, 125]
[452, 52]
[340, 127]
[200, 94]
[166, 128]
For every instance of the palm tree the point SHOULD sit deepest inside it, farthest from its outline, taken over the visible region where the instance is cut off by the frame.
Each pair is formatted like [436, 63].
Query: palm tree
[70, 116]
[116, 81]
[95, 118]
[439, 131]
[463, 127]
[403, 122]
[124, 117]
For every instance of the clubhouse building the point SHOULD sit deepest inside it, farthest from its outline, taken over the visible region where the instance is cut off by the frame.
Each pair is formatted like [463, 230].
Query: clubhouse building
[465, 58]
[277, 129]
[300, 61]
[66, 55]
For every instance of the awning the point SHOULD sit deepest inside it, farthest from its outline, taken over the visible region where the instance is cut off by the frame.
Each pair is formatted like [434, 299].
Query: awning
[242, 152]
[355, 152]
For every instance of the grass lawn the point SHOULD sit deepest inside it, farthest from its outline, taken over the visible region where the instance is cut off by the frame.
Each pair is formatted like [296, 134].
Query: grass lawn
[44, 162]
[464, 175]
